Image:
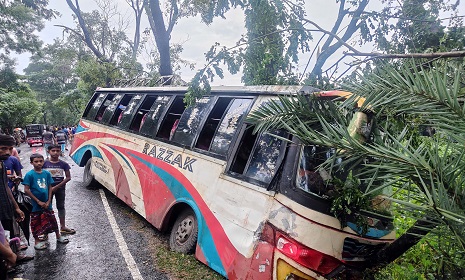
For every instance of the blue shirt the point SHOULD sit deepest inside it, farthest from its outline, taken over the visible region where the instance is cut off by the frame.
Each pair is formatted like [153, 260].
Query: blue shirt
[12, 164]
[39, 184]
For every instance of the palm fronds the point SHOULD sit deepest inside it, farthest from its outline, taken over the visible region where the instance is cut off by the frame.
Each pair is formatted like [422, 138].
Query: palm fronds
[401, 97]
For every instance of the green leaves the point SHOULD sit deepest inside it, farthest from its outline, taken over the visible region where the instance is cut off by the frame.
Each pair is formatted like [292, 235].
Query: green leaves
[400, 98]
[18, 108]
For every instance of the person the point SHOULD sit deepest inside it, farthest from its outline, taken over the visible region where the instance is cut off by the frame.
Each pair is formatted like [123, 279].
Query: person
[17, 135]
[66, 131]
[37, 184]
[61, 175]
[7, 256]
[13, 171]
[15, 153]
[61, 140]
[48, 139]
[10, 213]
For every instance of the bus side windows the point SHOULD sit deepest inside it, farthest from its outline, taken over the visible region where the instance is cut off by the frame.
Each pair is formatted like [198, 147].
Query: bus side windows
[119, 109]
[110, 109]
[230, 123]
[150, 120]
[258, 157]
[102, 109]
[190, 122]
[309, 177]
[211, 125]
[173, 114]
[94, 105]
[125, 116]
[142, 113]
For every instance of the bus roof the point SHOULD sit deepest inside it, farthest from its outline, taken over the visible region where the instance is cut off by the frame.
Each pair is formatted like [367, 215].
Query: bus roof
[251, 90]
[240, 90]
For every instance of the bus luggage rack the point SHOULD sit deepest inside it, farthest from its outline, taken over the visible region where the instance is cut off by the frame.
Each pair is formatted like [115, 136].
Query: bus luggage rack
[172, 80]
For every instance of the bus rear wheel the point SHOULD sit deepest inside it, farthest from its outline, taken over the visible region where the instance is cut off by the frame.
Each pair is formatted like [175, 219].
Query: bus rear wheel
[183, 236]
[87, 178]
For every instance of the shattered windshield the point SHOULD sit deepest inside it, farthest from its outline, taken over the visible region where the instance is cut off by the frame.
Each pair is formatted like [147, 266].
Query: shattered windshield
[310, 178]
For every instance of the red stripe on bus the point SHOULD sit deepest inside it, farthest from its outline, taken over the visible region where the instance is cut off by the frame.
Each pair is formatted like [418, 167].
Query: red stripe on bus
[121, 182]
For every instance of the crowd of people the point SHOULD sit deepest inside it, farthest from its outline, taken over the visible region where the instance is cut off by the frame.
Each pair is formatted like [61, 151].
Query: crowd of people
[61, 136]
[31, 211]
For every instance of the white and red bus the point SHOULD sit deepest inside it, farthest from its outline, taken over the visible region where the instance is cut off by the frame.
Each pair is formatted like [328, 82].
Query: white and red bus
[241, 202]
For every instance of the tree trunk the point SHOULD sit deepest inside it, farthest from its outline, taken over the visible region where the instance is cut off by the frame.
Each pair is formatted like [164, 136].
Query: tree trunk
[162, 39]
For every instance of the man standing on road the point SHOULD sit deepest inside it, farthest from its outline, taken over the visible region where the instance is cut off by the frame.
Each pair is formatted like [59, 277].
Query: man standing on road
[9, 209]
[8, 206]
[48, 139]
[61, 138]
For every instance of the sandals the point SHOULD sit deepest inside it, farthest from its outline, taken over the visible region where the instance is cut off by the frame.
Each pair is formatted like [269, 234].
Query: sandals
[24, 258]
[67, 231]
[62, 240]
[43, 237]
[40, 246]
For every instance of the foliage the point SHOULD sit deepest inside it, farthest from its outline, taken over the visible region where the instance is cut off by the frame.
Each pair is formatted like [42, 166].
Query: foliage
[272, 43]
[52, 73]
[18, 108]
[348, 200]
[398, 96]
[413, 26]
[18, 23]
[264, 59]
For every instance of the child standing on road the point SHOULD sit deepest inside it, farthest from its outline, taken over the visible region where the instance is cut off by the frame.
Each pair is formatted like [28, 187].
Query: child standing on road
[37, 184]
[61, 175]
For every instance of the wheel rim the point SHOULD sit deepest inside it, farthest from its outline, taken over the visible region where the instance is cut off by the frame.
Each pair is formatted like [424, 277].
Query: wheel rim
[184, 230]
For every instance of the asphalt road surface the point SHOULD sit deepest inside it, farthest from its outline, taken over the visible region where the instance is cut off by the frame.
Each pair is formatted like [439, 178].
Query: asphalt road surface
[109, 242]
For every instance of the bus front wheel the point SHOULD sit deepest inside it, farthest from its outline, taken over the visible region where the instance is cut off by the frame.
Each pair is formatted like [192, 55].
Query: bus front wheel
[88, 178]
[183, 236]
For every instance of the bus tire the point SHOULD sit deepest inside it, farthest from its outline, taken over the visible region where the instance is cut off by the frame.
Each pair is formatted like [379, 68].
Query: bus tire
[87, 177]
[183, 237]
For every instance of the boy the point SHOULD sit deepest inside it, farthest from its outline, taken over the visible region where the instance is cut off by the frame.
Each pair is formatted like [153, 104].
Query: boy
[61, 175]
[37, 185]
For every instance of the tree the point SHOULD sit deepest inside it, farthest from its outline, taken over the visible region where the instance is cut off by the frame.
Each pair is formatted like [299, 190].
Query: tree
[400, 97]
[18, 108]
[51, 74]
[263, 59]
[19, 21]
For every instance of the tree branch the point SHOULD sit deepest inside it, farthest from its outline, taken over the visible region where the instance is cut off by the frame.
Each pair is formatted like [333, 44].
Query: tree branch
[71, 30]
[87, 38]
[411, 55]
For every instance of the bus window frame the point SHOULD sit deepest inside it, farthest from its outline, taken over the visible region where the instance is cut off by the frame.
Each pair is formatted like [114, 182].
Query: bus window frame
[235, 136]
[108, 115]
[290, 188]
[93, 116]
[161, 119]
[103, 107]
[136, 111]
[208, 110]
[90, 104]
[233, 152]
[132, 115]
[118, 112]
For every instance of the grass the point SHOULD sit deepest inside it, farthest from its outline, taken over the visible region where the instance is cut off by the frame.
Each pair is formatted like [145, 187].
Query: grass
[175, 265]
[181, 266]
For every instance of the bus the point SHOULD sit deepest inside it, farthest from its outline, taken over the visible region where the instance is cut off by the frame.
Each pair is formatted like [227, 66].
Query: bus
[235, 199]
[34, 134]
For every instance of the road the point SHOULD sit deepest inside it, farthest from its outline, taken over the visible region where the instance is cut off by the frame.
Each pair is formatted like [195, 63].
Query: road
[112, 242]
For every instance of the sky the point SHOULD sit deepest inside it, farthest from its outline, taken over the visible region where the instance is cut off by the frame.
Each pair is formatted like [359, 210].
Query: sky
[196, 37]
